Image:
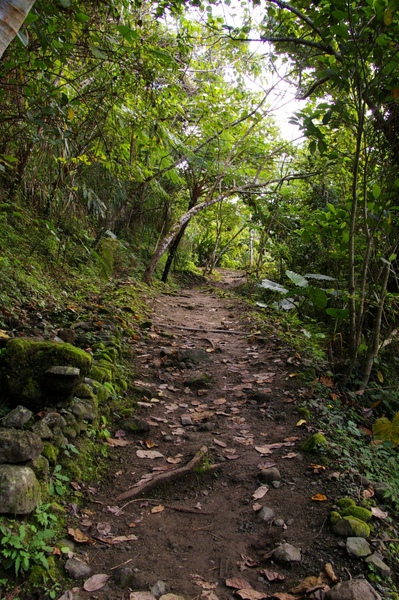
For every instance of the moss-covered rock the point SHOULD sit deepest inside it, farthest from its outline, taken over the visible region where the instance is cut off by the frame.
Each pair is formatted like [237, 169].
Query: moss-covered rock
[351, 527]
[50, 452]
[101, 374]
[25, 363]
[40, 466]
[19, 490]
[345, 503]
[84, 391]
[315, 443]
[334, 517]
[359, 512]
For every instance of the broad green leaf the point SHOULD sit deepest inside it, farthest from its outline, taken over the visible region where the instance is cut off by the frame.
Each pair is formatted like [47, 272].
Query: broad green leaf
[318, 297]
[267, 284]
[30, 18]
[81, 17]
[340, 31]
[319, 277]
[376, 190]
[98, 53]
[297, 279]
[338, 313]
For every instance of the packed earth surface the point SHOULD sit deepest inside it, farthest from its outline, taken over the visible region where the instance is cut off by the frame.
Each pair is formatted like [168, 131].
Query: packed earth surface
[215, 390]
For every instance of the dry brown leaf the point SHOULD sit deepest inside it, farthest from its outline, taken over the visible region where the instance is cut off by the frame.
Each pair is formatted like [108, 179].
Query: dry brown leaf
[149, 444]
[103, 528]
[256, 506]
[260, 492]
[220, 443]
[378, 513]
[95, 582]
[266, 464]
[157, 509]
[291, 438]
[151, 454]
[267, 448]
[330, 573]
[272, 575]
[327, 381]
[319, 498]
[284, 596]
[120, 539]
[237, 583]
[317, 468]
[309, 583]
[80, 537]
[141, 596]
[202, 416]
[369, 493]
[209, 595]
[116, 442]
[203, 583]
[173, 461]
[219, 401]
[251, 594]
[290, 455]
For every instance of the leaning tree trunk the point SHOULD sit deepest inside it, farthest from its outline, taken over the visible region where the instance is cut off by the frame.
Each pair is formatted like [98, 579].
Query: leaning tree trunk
[172, 253]
[12, 14]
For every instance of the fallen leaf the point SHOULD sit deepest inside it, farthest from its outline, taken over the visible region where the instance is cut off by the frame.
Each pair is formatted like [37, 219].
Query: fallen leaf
[267, 448]
[317, 468]
[75, 485]
[115, 510]
[330, 572]
[116, 442]
[157, 509]
[272, 575]
[173, 461]
[237, 583]
[251, 594]
[120, 539]
[120, 433]
[290, 455]
[284, 596]
[260, 492]
[118, 473]
[327, 381]
[247, 561]
[149, 444]
[80, 537]
[319, 498]
[309, 583]
[378, 513]
[220, 443]
[301, 422]
[266, 464]
[256, 506]
[141, 596]
[151, 454]
[209, 595]
[219, 401]
[203, 583]
[103, 528]
[369, 493]
[95, 582]
[291, 438]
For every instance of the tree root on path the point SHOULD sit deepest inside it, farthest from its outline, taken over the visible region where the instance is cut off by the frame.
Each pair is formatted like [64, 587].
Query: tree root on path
[169, 476]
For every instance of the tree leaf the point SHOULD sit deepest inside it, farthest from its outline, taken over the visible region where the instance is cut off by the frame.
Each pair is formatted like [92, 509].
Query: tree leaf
[95, 582]
[267, 284]
[297, 279]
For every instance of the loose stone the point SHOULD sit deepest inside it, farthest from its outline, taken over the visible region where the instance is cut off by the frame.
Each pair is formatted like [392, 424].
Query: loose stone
[18, 446]
[159, 589]
[269, 475]
[377, 561]
[267, 514]
[287, 553]
[358, 547]
[77, 569]
[355, 589]
[18, 417]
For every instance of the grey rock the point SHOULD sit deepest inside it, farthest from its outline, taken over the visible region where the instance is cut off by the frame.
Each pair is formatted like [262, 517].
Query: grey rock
[287, 553]
[59, 439]
[269, 475]
[135, 425]
[19, 490]
[67, 335]
[159, 589]
[186, 420]
[54, 419]
[278, 522]
[77, 569]
[42, 430]
[351, 527]
[276, 484]
[377, 561]
[40, 466]
[142, 391]
[125, 577]
[267, 514]
[198, 381]
[355, 589]
[83, 409]
[18, 417]
[193, 355]
[358, 547]
[61, 381]
[18, 446]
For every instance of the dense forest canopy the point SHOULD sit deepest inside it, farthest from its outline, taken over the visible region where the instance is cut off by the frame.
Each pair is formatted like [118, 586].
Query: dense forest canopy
[154, 123]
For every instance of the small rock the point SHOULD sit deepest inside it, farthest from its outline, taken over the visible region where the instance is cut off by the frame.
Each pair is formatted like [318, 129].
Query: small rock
[67, 335]
[266, 514]
[287, 553]
[42, 430]
[276, 484]
[186, 420]
[135, 425]
[159, 589]
[269, 475]
[54, 419]
[278, 522]
[355, 589]
[383, 491]
[198, 381]
[125, 577]
[377, 562]
[358, 547]
[193, 355]
[77, 569]
[18, 446]
[18, 417]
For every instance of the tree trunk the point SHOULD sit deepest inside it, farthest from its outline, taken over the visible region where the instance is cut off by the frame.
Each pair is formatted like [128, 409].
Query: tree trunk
[12, 14]
[172, 253]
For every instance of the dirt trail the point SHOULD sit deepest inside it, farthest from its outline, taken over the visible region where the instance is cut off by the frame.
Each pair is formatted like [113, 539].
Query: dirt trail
[199, 530]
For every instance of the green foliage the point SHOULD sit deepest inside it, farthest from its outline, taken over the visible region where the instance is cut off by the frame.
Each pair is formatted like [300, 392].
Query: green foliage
[57, 481]
[387, 431]
[25, 545]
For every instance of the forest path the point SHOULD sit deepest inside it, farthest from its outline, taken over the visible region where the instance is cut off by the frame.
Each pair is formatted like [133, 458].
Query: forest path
[206, 380]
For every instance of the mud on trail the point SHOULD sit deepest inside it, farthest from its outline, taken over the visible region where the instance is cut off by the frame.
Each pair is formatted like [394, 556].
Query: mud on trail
[206, 381]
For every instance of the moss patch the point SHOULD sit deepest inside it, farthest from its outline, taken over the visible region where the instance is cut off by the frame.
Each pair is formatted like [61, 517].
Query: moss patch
[315, 443]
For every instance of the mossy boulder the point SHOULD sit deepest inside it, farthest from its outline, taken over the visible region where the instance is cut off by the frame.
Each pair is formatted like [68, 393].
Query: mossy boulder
[351, 527]
[17, 445]
[101, 374]
[345, 503]
[19, 490]
[359, 512]
[84, 391]
[334, 517]
[315, 443]
[25, 362]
